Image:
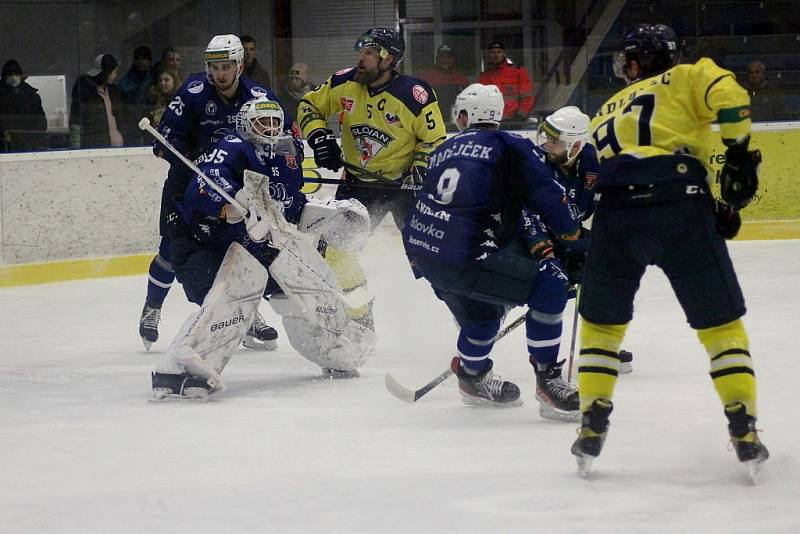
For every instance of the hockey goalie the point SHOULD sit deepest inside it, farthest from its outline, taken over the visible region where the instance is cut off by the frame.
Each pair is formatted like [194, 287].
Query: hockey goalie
[262, 238]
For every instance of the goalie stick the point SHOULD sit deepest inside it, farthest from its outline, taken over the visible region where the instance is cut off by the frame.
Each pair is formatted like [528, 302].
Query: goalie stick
[145, 125]
[413, 395]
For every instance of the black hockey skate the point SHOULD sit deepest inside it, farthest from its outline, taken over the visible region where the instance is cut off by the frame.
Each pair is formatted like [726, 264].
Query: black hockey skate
[260, 336]
[171, 387]
[148, 325]
[625, 362]
[485, 388]
[558, 399]
[745, 440]
[592, 434]
[339, 374]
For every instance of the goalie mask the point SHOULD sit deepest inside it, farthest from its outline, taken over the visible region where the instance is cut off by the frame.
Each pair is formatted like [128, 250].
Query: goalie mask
[483, 104]
[563, 134]
[261, 122]
[223, 48]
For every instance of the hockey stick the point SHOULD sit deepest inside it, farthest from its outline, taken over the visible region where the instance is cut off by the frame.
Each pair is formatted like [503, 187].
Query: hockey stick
[366, 185]
[413, 395]
[574, 334]
[145, 125]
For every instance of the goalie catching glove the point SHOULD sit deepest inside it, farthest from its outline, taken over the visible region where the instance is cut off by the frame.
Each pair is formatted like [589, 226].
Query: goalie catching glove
[739, 177]
[255, 220]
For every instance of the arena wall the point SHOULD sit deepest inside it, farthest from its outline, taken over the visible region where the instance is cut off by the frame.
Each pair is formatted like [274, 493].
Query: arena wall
[91, 213]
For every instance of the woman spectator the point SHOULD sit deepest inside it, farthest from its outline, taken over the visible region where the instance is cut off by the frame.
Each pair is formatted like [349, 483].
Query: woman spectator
[161, 94]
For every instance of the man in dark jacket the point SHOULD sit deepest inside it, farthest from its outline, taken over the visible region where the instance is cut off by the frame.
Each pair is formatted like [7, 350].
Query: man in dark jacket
[20, 106]
[95, 117]
[252, 68]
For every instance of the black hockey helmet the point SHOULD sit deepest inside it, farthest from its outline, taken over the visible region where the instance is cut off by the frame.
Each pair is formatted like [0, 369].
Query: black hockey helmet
[386, 40]
[654, 47]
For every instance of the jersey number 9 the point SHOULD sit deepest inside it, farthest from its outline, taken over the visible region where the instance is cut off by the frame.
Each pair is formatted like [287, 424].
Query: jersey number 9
[446, 187]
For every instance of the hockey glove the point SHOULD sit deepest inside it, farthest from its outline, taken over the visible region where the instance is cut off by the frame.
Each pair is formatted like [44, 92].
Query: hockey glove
[327, 153]
[255, 220]
[728, 220]
[415, 175]
[552, 267]
[232, 214]
[739, 177]
[577, 243]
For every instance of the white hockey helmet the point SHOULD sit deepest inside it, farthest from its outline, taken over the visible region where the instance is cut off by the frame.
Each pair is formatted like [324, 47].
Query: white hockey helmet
[261, 122]
[224, 48]
[564, 133]
[483, 104]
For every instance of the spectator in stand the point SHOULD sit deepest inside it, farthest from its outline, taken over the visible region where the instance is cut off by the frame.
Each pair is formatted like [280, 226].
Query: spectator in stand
[135, 84]
[20, 105]
[445, 78]
[96, 112]
[765, 103]
[252, 68]
[297, 84]
[513, 82]
[134, 88]
[170, 60]
[161, 94]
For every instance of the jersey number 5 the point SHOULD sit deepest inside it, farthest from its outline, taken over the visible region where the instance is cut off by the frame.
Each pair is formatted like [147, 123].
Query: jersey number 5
[605, 135]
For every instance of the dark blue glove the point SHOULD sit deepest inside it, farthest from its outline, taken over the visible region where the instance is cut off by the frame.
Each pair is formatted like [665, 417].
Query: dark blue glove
[576, 244]
[552, 267]
[327, 153]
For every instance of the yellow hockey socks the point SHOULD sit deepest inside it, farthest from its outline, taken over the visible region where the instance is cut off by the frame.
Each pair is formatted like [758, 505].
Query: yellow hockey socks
[731, 367]
[598, 363]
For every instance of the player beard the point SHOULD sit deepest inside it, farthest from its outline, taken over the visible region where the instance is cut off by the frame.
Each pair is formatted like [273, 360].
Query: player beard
[365, 76]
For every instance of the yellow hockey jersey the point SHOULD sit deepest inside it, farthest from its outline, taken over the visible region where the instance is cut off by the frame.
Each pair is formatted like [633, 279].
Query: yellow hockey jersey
[384, 131]
[671, 114]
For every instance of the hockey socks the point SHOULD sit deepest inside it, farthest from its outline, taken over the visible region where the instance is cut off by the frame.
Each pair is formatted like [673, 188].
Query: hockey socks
[475, 342]
[353, 281]
[598, 363]
[159, 280]
[731, 366]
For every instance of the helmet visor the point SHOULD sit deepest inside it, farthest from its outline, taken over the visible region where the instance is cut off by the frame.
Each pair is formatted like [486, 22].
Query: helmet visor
[367, 41]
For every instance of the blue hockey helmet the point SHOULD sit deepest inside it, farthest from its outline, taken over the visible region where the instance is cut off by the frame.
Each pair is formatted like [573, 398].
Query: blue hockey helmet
[385, 40]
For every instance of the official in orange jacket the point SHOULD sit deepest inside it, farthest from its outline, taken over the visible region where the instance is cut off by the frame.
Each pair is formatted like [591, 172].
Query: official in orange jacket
[513, 82]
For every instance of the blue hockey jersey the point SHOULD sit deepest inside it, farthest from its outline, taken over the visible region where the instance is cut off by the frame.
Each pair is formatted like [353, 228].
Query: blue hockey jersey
[472, 198]
[579, 182]
[197, 116]
[225, 163]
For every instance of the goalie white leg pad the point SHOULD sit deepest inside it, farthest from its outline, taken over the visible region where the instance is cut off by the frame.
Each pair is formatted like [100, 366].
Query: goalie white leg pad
[345, 351]
[208, 338]
[315, 315]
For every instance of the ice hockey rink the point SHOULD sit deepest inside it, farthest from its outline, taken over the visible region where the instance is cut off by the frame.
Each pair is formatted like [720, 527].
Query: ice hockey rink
[281, 450]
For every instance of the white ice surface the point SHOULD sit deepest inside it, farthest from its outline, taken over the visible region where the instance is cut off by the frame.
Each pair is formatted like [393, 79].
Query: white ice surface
[81, 450]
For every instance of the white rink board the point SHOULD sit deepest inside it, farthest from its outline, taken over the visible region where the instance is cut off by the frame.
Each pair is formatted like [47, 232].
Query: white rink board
[79, 204]
[82, 203]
